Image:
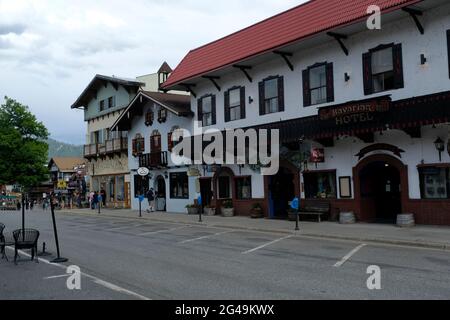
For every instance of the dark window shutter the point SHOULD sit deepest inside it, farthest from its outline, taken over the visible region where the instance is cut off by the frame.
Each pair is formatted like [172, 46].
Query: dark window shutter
[330, 83]
[306, 91]
[200, 110]
[398, 66]
[262, 109]
[134, 147]
[227, 105]
[367, 73]
[169, 142]
[448, 49]
[243, 115]
[281, 94]
[213, 108]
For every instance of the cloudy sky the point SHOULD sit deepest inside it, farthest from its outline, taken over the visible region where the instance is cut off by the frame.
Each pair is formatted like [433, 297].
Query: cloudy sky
[51, 49]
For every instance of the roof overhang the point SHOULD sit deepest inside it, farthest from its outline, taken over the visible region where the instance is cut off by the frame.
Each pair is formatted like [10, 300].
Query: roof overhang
[102, 81]
[320, 37]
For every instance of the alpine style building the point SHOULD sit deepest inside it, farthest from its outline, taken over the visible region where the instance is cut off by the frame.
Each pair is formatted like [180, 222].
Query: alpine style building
[363, 114]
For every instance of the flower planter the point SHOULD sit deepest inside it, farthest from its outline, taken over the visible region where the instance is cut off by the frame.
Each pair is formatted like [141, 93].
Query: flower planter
[257, 214]
[192, 211]
[406, 220]
[210, 211]
[228, 212]
[347, 218]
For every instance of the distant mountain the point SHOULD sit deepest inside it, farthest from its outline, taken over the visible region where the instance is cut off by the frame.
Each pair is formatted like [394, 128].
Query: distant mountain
[61, 149]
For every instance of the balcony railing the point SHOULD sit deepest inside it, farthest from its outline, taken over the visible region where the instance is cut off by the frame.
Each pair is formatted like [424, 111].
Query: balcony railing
[109, 147]
[153, 160]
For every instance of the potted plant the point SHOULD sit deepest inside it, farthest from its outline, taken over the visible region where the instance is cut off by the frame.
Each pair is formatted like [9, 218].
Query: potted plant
[192, 209]
[257, 211]
[227, 208]
[210, 210]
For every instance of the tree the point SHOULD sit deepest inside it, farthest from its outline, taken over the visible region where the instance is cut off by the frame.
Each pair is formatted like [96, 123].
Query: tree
[23, 147]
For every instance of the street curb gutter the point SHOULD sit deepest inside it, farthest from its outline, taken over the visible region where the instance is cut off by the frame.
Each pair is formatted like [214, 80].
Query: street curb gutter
[416, 244]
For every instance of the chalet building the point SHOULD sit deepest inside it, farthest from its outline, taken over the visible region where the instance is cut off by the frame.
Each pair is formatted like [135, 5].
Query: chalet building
[67, 174]
[364, 115]
[103, 101]
[150, 119]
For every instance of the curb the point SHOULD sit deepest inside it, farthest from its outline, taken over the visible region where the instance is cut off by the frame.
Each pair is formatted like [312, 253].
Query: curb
[413, 244]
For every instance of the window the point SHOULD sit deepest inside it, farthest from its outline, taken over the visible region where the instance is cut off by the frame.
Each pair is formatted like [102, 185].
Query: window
[207, 110]
[141, 185]
[138, 145]
[383, 69]
[318, 84]
[271, 95]
[120, 186]
[235, 104]
[243, 188]
[111, 102]
[320, 185]
[98, 137]
[102, 105]
[434, 183]
[179, 185]
[224, 187]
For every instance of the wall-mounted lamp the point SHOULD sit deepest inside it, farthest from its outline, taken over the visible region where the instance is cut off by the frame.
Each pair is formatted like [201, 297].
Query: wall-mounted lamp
[423, 59]
[347, 77]
[250, 100]
[440, 147]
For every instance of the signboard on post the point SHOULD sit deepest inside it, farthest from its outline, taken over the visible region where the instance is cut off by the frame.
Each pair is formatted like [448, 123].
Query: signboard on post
[143, 172]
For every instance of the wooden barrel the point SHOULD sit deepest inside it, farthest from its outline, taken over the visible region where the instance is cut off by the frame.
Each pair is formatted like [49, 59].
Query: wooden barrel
[406, 220]
[347, 218]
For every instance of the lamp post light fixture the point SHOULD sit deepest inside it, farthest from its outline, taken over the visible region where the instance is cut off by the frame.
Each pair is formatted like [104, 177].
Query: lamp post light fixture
[440, 147]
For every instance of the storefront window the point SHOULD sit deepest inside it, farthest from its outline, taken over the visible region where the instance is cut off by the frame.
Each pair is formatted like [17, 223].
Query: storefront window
[120, 188]
[243, 188]
[179, 185]
[434, 183]
[112, 192]
[320, 185]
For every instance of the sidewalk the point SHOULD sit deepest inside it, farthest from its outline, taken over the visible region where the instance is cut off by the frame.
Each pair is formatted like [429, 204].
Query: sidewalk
[419, 236]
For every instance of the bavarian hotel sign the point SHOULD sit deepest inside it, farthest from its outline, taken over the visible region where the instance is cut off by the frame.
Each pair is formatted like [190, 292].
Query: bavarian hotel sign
[356, 112]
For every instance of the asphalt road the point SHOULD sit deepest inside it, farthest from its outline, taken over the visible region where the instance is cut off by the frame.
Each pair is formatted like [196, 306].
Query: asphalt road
[129, 259]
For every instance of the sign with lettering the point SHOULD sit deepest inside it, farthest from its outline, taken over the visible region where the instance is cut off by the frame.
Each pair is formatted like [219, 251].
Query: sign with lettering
[356, 112]
[317, 155]
[143, 172]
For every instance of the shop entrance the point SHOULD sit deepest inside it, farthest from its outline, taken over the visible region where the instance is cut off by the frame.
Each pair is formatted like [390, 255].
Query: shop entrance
[380, 191]
[282, 191]
[206, 191]
[160, 193]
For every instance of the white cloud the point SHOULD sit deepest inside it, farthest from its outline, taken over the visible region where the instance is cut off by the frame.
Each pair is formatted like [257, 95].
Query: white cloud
[50, 50]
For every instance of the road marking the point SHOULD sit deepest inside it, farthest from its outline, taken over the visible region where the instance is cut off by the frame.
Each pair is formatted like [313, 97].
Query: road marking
[57, 277]
[162, 231]
[348, 256]
[124, 227]
[99, 281]
[267, 244]
[206, 237]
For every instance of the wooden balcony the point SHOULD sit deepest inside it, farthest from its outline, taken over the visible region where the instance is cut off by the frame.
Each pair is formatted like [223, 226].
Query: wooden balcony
[110, 147]
[153, 160]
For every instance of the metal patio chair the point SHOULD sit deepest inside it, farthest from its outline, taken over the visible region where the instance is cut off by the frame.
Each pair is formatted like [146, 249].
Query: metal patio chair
[2, 238]
[26, 239]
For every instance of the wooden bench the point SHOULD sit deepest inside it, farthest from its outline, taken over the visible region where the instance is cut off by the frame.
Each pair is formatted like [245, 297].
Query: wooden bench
[318, 208]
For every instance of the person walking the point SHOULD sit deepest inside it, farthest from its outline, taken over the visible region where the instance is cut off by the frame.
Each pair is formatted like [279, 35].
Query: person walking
[103, 194]
[151, 200]
[95, 201]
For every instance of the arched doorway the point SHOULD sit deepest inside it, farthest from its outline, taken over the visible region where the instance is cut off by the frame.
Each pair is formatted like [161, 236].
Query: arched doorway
[160, 192]
[381, 184]
[281, 189]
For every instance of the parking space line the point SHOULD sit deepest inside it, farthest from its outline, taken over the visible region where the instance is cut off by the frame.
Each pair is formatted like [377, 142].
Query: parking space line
[99, 281]
[348, 256]
[267, 244]
[57, 277]
[162, 231]
[206, 237]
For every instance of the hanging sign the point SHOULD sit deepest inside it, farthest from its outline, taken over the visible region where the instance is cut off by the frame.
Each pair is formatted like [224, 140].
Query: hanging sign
[318, 155]
[143, 172]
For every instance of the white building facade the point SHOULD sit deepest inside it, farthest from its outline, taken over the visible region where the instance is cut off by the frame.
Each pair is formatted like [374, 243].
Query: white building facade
[363, 114]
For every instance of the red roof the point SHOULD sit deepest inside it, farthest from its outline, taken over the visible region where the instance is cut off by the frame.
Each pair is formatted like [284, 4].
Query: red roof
[295, 24]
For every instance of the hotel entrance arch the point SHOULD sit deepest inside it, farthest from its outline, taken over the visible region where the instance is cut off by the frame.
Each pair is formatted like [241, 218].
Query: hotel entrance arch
[381, 188]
